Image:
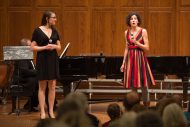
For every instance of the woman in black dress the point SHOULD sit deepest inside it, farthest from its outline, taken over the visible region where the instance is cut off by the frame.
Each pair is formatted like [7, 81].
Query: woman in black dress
[45, 40]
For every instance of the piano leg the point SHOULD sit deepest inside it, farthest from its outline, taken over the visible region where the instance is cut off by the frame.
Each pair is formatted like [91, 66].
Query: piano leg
[66, 88]
[185, 91]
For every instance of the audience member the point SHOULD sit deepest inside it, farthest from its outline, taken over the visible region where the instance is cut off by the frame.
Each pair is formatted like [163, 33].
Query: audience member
[187, 113]
[128, 119]
[114, 112]
[173, 116]
[130, 100]
[160, 106]
[149, 119]
[71, 111]
[139, 108]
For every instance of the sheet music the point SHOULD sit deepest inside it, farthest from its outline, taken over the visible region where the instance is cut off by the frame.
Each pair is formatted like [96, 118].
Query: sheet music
[65, 50]
[17, 53]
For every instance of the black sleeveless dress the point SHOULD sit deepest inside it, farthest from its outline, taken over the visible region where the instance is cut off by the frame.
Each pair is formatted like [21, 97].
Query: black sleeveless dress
[47, 63]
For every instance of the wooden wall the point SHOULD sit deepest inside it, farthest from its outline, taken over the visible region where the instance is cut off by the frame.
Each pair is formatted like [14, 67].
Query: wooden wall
[94, 26]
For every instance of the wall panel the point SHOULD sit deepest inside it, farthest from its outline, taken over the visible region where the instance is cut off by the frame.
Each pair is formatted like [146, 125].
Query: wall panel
[76, 31]
[185, 3]
[184, 34]
[160, 3]
[19, 26]
[2, 32]
[104, 3]
[2, 3]
[103, 31]
[48, 3]
[19, 3]
[161, 33]
[74, 3]
[132, 3]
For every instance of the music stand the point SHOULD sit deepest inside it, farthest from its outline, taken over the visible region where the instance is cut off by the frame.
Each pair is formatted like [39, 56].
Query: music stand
[15, 54]
[64, 51]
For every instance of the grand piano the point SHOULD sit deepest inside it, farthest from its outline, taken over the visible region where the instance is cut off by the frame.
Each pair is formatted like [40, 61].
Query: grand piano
[76, 68]
[162, 66]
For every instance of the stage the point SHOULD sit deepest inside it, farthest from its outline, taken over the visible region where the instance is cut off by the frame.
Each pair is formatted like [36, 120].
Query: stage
[30, 119]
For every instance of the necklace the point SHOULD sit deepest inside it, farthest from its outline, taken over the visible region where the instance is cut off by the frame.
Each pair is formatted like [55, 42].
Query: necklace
[133, 33]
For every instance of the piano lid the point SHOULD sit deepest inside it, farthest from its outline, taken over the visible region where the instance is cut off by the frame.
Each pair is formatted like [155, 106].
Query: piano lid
[80, 65]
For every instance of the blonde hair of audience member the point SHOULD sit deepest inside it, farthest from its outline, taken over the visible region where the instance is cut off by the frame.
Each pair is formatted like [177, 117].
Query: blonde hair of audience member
[71, 111]
[82, 101]
[75, 119]
[128, 119]
[69, 104]
[173, 116]
[81, 97]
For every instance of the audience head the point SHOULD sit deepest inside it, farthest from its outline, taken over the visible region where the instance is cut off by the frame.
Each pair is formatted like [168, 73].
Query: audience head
[128, 119]
[130, 100]
[178, 99]
[138, 108]
[74, 102]
[160, 106]
[72, 111]
[148, 119]
[114, 111]
[80, 98]
[173, 116]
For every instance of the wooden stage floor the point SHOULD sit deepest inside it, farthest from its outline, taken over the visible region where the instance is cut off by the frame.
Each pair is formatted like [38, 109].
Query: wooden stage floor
[26, 119]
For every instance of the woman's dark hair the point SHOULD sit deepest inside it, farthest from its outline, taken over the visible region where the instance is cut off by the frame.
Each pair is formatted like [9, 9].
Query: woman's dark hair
[128, 18]
[47, 14]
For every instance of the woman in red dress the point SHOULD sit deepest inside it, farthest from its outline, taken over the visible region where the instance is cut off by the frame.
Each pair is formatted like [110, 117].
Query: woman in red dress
[137, 73]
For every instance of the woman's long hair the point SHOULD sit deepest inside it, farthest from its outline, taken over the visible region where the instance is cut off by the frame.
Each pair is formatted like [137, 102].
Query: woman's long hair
[46, 16]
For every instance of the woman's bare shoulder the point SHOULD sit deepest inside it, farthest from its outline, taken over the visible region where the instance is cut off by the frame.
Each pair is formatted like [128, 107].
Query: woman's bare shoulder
[126, 31]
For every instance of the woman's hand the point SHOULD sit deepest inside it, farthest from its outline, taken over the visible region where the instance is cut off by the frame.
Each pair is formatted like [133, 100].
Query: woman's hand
[50, 46]
[122, 68]
[134, 41]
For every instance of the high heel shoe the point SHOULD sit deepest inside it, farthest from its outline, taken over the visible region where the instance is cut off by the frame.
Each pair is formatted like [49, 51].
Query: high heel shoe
[42, 116]
[50, 116]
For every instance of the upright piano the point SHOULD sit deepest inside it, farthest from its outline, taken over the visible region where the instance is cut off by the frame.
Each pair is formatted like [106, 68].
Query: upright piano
[74, 68]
